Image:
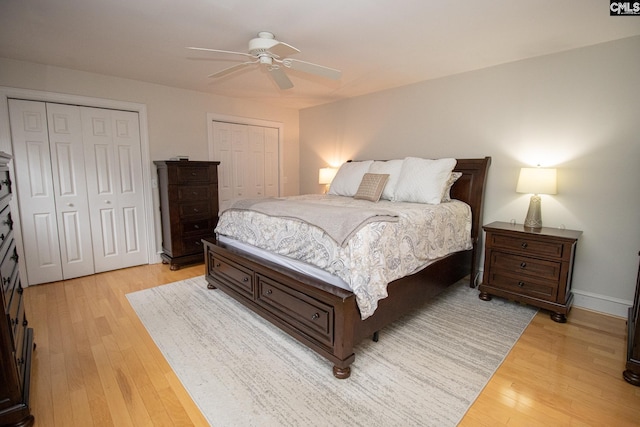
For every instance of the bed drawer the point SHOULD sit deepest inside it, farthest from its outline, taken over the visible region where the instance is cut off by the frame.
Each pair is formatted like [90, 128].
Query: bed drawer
[304, 313]
[232, 274]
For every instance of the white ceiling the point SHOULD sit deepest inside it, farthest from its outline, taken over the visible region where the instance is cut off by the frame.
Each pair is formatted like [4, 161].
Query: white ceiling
[378, 44]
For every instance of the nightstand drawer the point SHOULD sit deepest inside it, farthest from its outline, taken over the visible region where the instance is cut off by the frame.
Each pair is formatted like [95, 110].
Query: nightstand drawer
[526, 245]
[526, 266]
[524, 286]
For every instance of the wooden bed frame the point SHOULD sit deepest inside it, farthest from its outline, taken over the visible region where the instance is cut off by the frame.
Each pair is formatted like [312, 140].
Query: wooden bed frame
[326, 318]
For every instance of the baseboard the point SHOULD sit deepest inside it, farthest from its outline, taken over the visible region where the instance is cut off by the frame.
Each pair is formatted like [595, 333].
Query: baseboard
[601, 303]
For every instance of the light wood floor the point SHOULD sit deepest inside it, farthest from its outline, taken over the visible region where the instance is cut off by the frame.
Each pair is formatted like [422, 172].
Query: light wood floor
[95, 364]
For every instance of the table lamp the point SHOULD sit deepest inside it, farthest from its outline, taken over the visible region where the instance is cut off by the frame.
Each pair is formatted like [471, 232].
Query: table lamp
[325, 176]
[536, 181]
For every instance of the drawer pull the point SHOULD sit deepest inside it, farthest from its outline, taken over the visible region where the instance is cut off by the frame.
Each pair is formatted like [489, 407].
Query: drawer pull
[245, 279]
[523, 265]
[269, 291]
[2, 237]
[196, 226]
[217, 265]
[521, 284]
[315, 316]
[524, 245]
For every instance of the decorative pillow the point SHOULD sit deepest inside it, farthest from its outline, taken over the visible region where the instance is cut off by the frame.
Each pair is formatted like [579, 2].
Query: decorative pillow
[348, 178]
[391, 167]
[371, 186]
[423, 180]
[446, 196]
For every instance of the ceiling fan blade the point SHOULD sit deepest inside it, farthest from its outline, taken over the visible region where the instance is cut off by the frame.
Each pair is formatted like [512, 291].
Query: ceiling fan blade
[230, 70]
[221, 51]
[308, 67]
[282, 50]
[281, 79]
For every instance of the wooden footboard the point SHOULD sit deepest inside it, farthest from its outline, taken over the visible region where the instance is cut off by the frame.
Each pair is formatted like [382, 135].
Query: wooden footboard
[326, 318]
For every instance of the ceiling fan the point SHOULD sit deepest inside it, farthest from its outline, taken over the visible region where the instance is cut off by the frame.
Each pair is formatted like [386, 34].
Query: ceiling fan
[266, 51]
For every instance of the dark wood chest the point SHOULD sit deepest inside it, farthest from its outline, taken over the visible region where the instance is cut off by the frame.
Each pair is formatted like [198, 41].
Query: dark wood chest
[16, 338]
[188, 192]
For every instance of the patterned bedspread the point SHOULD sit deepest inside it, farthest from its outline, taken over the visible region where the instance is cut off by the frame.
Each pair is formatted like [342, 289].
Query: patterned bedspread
[375, 255]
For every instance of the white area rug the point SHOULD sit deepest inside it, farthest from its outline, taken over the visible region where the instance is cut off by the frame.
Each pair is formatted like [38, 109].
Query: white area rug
[426, 370]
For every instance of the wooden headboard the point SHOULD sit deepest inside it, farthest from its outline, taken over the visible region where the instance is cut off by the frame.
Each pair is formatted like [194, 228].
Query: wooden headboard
[470, 189]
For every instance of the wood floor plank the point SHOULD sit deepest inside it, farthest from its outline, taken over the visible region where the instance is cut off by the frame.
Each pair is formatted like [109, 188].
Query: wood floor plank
[96, 365]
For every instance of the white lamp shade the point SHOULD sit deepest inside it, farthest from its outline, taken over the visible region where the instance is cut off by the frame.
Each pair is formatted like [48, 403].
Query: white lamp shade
[326, 175]
[537, 181]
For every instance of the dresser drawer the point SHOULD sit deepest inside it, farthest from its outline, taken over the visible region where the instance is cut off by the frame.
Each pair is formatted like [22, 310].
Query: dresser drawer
[526, 266]
[297, 309]
[194, 192]
[235, 276]
[194, 174]
[193, 244]
[7, 270]
[527, 245]
[5, 185]
[201, 227]
[195, 209]
[546, 290]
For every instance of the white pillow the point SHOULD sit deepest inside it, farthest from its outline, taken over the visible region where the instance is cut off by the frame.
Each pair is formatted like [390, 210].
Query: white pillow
[423, 180]
[392, 168]
[348, 178]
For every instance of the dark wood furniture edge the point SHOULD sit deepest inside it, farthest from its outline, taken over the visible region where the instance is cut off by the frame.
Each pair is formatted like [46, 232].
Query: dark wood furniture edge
[405, 294]
[631, 373]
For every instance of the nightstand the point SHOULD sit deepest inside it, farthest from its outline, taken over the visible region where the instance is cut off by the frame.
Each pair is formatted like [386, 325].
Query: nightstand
[532, 267]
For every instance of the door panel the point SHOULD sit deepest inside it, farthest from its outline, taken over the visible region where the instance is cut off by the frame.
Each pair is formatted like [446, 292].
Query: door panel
[32, 165]
[70, 190]
[112, 154]
[271, 163]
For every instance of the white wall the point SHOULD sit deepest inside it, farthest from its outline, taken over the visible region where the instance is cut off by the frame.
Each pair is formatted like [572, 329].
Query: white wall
[177, 118]
[578, 111]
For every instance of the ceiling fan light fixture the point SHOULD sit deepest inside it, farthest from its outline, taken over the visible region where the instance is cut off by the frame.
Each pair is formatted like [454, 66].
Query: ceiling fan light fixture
[266, 50]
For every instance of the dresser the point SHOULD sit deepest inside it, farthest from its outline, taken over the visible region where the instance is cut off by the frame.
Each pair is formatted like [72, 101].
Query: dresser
[188, 193]
[632, 372]
[532, 267]
[16, 338]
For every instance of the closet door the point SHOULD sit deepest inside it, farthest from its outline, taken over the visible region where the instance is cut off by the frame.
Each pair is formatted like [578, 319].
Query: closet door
[32, 165]
[114, 187]
[254, 172]
[223, 152]
[249, 160]
[271, 163]
[70, 190]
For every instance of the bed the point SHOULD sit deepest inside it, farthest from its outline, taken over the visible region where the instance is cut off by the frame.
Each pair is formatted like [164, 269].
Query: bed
[325, 317]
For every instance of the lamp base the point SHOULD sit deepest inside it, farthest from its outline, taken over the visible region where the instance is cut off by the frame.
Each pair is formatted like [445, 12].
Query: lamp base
[534, 215]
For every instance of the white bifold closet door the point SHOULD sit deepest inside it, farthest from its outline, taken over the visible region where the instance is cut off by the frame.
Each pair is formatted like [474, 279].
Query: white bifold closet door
[249, 160]
[76, 170]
